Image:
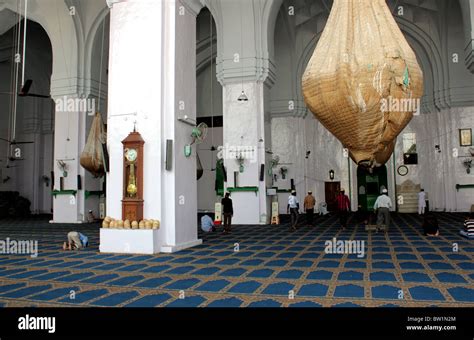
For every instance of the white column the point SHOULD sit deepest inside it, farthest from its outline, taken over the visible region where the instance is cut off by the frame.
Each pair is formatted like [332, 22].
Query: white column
[69, 139]
[245, 129]
[244, 62]
[151, 77]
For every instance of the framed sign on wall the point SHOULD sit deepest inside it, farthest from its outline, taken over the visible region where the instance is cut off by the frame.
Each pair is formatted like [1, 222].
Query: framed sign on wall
[465, 137]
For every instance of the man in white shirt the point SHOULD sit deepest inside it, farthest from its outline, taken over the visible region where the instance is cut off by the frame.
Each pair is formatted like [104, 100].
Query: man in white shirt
[421, 202]
[382, 206]
[293, 209]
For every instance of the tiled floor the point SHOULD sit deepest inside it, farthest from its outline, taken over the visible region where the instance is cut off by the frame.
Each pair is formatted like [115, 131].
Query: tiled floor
[271, 268]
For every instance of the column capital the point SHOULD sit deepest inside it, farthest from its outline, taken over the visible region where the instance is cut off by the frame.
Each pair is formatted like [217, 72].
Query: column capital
[254, 69]
[70, 87]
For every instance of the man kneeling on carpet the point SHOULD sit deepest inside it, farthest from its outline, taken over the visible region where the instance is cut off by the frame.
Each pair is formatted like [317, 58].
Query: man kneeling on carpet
[430, 225]
[207, 224]
[468, 230]
[75, 240]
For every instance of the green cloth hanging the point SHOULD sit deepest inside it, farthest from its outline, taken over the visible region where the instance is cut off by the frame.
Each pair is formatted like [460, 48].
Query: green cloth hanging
[406, 78]
[219, 184]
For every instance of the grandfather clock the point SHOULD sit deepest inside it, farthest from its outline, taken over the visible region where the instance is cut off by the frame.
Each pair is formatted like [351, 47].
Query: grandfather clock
[132, 202]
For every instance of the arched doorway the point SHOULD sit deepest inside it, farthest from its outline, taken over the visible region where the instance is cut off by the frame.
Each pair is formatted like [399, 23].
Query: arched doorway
[27, 120]
[210, 184]
[369, 185]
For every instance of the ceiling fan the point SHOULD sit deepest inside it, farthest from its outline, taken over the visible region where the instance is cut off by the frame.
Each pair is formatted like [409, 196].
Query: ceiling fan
[25, 91]
[14, 142]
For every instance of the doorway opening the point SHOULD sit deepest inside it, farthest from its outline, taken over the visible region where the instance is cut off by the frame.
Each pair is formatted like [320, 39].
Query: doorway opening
[370, 185]
[331, 189]
[210, 177]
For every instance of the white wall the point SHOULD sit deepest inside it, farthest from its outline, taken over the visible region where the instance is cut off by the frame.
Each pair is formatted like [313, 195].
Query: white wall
[439, 172]
[291, 138]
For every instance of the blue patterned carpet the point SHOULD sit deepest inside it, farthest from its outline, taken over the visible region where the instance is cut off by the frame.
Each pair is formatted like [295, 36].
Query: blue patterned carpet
[272, 268]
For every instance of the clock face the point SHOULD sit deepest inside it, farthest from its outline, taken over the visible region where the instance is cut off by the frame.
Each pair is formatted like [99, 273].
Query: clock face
[402, 170]
[131, 154]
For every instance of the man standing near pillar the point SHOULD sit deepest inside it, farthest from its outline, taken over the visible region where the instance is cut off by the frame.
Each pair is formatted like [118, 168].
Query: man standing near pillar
[293, 209]
[228, 210]
[309, 203]
[343, 208]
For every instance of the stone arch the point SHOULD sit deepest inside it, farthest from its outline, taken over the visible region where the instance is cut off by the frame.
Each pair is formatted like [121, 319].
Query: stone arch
[432, 55]
[467, 11]
[203, 61]
[214, 7]
[93, 46]
[59, 25]
[270, 14]
[27, 119]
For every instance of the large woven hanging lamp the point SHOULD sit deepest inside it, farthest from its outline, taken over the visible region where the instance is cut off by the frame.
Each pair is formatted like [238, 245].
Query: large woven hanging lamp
[363, 82]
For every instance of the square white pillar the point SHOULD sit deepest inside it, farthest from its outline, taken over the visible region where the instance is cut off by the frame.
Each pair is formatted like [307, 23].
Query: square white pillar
[152, 81]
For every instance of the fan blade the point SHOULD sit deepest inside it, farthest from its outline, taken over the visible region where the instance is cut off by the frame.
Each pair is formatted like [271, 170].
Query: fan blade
[34, 95]
[24, 92]
[15, 143]
[26, 87]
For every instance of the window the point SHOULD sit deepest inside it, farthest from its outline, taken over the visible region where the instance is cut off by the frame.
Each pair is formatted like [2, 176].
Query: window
[409, 143]
[409, 148]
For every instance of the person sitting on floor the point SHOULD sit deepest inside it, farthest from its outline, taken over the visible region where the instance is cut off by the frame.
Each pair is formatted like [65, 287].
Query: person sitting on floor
[430, 225]
[75, 241]
[207, 224]
[323, 209]
[468, 230]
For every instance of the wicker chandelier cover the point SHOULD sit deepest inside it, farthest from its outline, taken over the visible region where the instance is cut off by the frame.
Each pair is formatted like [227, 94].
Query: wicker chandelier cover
[363, 82]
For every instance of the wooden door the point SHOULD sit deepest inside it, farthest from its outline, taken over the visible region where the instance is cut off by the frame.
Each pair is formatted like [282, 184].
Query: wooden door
[331, 191]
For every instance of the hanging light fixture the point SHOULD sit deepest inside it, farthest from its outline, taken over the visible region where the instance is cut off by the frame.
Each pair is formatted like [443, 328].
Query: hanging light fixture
[331, 174]
[243, 97]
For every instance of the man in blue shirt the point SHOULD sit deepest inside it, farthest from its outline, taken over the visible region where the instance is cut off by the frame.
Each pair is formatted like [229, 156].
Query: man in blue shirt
[75, 240]
[207, 224]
